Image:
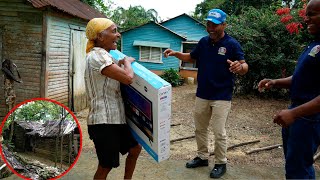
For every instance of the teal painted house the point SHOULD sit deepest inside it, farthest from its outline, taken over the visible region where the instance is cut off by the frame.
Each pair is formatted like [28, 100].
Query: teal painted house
[147, 42]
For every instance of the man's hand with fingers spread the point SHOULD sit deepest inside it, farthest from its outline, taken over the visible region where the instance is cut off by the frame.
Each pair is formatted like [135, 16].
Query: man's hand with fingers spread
[235, 66]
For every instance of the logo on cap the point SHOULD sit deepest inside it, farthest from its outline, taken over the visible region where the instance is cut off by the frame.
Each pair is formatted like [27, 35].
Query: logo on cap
[215, 14]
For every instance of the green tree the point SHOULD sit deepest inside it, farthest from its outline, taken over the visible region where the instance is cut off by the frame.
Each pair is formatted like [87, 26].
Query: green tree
[133, 16]
[231, 6]
[103, 6]
[270, 50]
[203, 8]
[124, 18]
[38, 110]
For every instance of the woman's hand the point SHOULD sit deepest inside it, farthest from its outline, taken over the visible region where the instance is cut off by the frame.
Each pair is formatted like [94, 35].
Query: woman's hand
[127, 58]
[130, 59]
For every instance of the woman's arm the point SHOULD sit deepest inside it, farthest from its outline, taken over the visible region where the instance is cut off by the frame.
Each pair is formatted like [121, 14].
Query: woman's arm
[123, 75]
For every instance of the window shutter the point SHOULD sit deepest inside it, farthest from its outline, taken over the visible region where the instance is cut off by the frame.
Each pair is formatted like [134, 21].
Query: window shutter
[155, 55]
[145, 53]
[150, 54]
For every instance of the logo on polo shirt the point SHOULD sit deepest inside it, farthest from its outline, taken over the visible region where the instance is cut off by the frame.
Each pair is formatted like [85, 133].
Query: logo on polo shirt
[315, 50]
[222, 51]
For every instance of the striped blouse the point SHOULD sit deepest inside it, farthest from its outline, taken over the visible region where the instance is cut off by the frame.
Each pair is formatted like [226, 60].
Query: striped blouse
[105, 101]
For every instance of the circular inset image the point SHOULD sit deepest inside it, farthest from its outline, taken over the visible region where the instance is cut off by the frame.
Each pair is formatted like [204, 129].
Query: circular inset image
[40, 139]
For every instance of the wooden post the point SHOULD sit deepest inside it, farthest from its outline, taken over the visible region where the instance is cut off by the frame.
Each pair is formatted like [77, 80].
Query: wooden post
[61, 132]
[56, 151]
[10, 96]
[10, 99]
[70, 147]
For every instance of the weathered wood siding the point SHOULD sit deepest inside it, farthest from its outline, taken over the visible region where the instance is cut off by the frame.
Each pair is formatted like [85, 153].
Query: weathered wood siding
[2, 101]
[154, 33]
[59, 59]
[186, 26]
[21, 42]
[38, 42]
[58, 54]
[46, 147]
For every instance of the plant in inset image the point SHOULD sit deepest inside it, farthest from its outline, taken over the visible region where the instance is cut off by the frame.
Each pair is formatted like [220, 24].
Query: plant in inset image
[41, 139]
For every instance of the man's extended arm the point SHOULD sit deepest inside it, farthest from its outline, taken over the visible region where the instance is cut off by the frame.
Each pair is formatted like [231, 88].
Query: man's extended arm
[186, 57]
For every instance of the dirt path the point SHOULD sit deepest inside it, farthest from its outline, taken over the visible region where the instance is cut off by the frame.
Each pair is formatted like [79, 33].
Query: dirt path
[250, 119]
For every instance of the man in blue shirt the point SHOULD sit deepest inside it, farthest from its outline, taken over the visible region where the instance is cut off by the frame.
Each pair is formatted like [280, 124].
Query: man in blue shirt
[219, 57]
[301, 122]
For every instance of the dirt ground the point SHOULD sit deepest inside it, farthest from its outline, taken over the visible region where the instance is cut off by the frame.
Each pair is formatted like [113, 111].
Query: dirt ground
[250, 119]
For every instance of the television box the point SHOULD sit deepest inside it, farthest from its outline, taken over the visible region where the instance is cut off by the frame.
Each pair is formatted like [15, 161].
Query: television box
[148, 109]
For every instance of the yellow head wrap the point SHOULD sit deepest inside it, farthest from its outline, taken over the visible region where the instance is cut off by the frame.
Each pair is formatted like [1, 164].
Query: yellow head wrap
[94, 27]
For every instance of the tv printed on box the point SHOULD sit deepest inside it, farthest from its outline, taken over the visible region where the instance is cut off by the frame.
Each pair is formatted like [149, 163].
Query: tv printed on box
[148, 109]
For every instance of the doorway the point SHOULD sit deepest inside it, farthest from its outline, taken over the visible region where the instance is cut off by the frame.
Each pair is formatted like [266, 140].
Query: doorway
[77, 85]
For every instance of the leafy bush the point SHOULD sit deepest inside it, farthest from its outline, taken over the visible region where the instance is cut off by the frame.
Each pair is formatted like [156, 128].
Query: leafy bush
[271, 52]
[172, 76]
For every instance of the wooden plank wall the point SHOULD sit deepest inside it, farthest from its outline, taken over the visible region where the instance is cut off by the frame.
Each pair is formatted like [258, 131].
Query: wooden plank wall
[58, 50]
[59, 56]
[39, 44]
[21, 42]
[46, 147]
[2, 100]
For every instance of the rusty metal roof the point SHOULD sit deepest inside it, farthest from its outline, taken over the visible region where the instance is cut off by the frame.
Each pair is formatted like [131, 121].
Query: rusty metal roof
[72, 7]
[50, 128]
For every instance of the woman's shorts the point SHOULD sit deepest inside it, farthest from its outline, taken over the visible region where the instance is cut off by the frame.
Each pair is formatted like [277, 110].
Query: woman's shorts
[109, 141]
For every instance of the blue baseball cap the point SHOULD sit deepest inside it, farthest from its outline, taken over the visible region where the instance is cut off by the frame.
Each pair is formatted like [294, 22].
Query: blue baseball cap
[216, 16]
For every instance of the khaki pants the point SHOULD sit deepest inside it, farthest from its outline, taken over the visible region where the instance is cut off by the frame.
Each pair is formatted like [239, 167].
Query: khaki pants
[216, 112]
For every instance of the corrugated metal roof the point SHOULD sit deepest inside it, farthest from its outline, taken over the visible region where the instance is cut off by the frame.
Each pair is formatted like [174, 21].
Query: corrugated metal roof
[72, 7]
[48, 128]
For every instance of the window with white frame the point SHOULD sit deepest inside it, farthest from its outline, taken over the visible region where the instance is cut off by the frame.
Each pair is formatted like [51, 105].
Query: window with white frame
[150, 54]
[187, 48]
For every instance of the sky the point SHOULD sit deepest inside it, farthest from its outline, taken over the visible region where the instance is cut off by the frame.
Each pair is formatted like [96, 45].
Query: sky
[166, 8]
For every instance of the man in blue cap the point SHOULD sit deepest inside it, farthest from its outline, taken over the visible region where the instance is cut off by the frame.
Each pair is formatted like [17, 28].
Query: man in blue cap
[219, 57]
